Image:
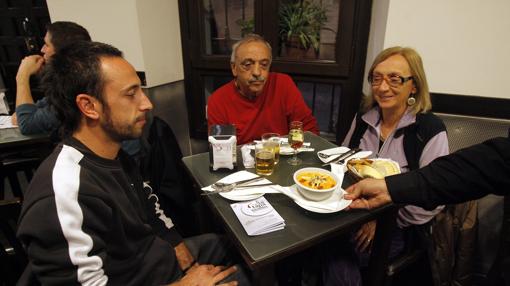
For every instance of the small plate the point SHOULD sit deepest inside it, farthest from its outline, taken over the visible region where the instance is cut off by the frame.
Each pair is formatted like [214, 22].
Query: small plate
[232, 196]
[336, 197]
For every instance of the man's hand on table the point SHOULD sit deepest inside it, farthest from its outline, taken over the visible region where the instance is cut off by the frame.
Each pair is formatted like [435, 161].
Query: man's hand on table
[207, 275]
[368, 194]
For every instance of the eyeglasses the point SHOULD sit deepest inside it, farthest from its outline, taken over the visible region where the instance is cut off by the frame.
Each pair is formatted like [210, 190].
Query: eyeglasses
[393, 80]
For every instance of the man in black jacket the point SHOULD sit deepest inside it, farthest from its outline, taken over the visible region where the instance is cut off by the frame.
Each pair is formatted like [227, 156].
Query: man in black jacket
[87, 217]
[468, 174]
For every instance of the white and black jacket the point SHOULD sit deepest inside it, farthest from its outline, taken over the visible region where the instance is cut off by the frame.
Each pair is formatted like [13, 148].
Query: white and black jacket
[88, 220]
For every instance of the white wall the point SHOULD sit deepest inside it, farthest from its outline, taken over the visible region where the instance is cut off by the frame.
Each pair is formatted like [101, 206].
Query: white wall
[148, 32]
[465, 44]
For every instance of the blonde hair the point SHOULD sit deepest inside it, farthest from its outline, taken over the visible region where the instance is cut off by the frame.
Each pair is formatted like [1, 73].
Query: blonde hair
[422, 95]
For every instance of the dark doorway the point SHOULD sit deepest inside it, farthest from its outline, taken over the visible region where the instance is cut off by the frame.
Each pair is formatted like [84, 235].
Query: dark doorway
[22, 29]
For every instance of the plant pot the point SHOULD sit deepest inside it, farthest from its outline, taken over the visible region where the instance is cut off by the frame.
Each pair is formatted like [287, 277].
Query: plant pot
[296, 51]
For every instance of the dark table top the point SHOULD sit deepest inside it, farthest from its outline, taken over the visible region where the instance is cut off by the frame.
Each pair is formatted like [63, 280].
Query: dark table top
[303, 228]
[12, 138]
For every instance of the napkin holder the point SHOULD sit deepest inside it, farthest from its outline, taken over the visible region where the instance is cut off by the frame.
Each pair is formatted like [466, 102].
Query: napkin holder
[222, 147]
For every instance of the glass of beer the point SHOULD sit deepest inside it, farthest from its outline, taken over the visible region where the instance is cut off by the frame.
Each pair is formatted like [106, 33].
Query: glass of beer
[272, 141]
[295, 140]
[264, 160]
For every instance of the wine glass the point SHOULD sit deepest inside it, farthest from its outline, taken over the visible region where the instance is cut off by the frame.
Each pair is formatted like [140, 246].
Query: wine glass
[295, 141]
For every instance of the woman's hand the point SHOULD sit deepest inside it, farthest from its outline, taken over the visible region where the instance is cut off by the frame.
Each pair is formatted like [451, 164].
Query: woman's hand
[365, 236]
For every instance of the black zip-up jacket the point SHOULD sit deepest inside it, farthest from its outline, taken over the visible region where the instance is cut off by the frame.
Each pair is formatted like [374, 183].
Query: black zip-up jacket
[468, 174]
[89, 220]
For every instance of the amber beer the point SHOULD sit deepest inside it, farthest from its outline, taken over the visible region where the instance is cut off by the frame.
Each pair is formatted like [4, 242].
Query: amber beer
[264, 160]
[272, 141]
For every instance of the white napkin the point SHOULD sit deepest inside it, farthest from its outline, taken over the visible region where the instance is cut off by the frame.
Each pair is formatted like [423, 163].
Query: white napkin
[291, 192]
[287, 150]
[248, 160]
[4, 107]
[244, 175]
[6, 122]
[258, 216]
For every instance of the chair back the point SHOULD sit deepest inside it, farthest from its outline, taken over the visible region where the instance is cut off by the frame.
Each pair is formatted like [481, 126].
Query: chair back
[12, 255]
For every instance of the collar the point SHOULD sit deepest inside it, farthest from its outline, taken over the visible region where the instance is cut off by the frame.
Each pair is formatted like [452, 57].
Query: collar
[373, 118]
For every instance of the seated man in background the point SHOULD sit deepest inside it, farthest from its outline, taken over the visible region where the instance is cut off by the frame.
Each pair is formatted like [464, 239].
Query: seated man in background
[31, 117]
[87, 217]
[39, 118]
[257, 101]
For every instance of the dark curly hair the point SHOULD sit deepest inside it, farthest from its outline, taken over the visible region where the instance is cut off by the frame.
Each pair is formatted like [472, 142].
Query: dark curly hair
[63, 33]
[75, 70]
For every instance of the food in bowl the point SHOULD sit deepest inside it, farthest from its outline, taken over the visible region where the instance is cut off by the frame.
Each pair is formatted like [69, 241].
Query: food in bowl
[373, 168]
[315, 184]
[316, 180]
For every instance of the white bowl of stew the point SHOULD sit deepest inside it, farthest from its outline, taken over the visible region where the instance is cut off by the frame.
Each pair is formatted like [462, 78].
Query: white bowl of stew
[315, 184]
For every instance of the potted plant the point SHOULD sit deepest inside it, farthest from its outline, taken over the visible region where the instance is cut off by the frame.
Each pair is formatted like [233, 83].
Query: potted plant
[247, 26]
[300, 25]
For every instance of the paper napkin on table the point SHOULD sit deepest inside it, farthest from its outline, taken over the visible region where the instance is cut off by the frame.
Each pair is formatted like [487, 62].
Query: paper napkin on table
[248, 160]
[244, 175]
[6, 122]
[330, 204]
[258, 216]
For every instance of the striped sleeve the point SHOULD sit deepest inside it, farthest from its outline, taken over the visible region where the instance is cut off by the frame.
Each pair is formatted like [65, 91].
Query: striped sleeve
[77, 247]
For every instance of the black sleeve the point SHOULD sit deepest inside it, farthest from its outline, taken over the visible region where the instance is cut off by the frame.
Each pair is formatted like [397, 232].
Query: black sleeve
[465, 175]
[162, 225]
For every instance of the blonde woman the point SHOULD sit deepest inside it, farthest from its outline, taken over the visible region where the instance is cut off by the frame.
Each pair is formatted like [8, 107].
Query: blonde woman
[394, 123]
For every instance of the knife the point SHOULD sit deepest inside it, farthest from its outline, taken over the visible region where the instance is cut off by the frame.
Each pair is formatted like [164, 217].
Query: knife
[344, 156]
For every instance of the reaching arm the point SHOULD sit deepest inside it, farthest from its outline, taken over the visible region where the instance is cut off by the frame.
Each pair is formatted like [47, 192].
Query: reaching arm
[468, 174]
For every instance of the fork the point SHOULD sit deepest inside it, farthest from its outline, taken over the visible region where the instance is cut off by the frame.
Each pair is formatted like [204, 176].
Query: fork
[226, 190]
[219, 185]
[344, 157]
[325, 156]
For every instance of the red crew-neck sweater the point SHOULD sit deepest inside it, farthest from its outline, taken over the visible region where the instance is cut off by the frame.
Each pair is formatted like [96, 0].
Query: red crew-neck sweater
[272, 111]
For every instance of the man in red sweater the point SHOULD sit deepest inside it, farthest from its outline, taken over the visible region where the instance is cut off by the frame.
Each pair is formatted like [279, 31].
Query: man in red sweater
[257, 101]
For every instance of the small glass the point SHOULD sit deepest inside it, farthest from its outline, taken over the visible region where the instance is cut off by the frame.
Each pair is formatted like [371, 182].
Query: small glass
[295, 140]
[272, 141]
[264, 160]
